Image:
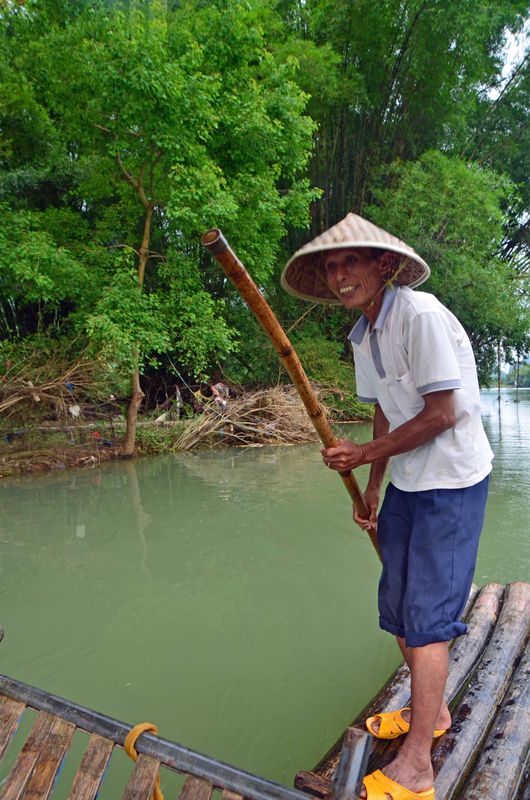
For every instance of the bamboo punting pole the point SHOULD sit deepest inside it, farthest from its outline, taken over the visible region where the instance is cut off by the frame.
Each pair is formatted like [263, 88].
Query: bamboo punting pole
[215, 243]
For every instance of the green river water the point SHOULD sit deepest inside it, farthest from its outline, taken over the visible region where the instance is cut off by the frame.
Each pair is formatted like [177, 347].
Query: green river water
[224, 595]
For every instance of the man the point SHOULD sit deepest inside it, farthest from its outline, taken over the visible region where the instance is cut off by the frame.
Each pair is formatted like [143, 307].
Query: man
[414, 361]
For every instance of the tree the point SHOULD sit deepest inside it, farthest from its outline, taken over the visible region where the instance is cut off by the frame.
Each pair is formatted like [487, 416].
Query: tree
[394, 81]
[166, 126]
[401, 78]
[451, 212]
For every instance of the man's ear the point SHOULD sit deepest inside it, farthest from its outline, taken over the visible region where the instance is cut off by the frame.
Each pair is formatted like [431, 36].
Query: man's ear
[388, 264]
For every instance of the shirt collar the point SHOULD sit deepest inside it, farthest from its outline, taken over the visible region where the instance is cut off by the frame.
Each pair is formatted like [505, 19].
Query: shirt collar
[356, 335]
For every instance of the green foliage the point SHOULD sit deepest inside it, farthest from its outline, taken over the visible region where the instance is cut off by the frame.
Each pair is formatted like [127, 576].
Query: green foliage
[34, 268]
[390, 85]
[151, 439]
[450, 212]
[128, 110]
[254, 363]
[519, 377]
[126, 324]
[392, 80]
[193, 318]
[324, 364]
[40, 348]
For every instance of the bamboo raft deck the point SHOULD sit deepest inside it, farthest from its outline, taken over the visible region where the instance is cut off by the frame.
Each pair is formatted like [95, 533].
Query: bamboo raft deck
[484, 755]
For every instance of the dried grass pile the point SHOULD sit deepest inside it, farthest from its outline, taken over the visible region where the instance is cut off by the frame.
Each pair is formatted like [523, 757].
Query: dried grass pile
[43, 399]
[35, 388]
[271, 416]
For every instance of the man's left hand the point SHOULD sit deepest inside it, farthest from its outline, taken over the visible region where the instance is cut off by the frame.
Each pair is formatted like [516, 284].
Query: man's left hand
[345, 457]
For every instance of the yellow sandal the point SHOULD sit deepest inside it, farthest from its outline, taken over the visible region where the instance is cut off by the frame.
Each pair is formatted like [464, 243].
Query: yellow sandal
[378, 786]
[392, 724]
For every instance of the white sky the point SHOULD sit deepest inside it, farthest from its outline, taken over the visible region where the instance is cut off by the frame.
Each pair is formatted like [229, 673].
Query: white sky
[515, 48]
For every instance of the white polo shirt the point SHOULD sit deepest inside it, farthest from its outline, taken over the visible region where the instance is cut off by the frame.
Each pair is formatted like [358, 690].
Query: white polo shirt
[416, 347]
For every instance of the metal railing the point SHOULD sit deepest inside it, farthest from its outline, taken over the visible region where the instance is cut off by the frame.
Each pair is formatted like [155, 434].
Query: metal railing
[177, 757]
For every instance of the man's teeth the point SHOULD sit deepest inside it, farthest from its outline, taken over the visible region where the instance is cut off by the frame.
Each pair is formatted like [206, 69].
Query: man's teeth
[346, 289]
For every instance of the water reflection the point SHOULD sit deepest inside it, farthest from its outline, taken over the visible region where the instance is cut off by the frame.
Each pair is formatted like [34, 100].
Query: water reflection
[504, 554]
[225, 595]
[141, 518]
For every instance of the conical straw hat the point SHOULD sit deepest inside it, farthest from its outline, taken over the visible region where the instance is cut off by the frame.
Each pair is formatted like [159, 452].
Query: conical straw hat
[304, 274]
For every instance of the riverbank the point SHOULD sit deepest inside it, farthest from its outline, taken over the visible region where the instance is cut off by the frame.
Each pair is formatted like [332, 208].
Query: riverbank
[268, 416]
[29, 451]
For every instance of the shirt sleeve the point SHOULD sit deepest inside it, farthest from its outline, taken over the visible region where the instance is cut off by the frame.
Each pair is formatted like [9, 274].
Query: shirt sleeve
[365, 389]
[432, 345]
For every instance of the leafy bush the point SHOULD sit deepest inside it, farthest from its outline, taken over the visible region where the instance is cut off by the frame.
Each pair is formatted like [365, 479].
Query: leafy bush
[323, 361]
[155, 440]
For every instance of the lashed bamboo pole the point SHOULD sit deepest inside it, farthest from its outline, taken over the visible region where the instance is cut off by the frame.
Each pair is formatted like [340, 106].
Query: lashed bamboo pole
[464, 654]
[508, 743]
[215, 243]
[455, 752]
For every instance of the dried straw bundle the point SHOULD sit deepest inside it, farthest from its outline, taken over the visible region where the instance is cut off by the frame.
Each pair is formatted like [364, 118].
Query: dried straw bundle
[269, 416]
[30, 385]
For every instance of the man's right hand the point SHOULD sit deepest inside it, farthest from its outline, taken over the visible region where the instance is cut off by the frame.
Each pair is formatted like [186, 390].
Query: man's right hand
[371, 498]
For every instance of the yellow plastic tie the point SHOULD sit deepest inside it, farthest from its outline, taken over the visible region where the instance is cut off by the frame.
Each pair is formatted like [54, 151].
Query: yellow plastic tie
[130, 749]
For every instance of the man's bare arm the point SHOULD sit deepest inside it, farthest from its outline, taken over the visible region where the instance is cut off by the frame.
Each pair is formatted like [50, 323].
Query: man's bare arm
[377, 471]
[436, 416]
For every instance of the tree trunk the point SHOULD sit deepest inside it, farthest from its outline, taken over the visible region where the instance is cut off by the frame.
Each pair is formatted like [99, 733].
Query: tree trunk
[137, 393]
[132, 413]
[517, 378]
[499, 370]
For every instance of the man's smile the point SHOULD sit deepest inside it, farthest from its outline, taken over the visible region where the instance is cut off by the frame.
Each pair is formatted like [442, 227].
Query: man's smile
[350, 288]
[355, 278]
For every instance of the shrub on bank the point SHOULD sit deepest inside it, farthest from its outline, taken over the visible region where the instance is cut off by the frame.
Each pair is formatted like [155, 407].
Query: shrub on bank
[158, 439]
[325, 365]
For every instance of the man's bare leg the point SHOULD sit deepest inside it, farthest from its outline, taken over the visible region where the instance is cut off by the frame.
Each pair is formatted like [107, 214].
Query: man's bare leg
[443, 720]
[412, 766]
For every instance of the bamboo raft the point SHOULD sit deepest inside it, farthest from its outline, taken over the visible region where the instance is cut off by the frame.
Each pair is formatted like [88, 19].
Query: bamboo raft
[484, 755]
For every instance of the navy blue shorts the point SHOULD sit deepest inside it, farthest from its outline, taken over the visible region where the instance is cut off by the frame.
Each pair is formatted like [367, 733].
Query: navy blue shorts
[429, 542]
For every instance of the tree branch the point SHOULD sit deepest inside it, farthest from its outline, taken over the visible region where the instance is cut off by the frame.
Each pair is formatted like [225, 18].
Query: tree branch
[137, 183]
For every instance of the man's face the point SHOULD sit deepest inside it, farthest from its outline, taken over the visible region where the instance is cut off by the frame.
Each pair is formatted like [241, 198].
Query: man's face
[354, 276]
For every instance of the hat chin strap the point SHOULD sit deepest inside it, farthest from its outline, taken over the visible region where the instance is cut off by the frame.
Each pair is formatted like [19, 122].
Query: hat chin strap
[319, 272]
[389, 282]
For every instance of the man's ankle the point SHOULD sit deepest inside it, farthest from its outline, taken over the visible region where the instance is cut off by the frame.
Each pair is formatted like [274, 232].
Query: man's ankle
[418, 757]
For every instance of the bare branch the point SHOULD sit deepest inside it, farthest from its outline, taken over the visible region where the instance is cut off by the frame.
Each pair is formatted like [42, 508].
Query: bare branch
[102, 128]
[127, 175]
